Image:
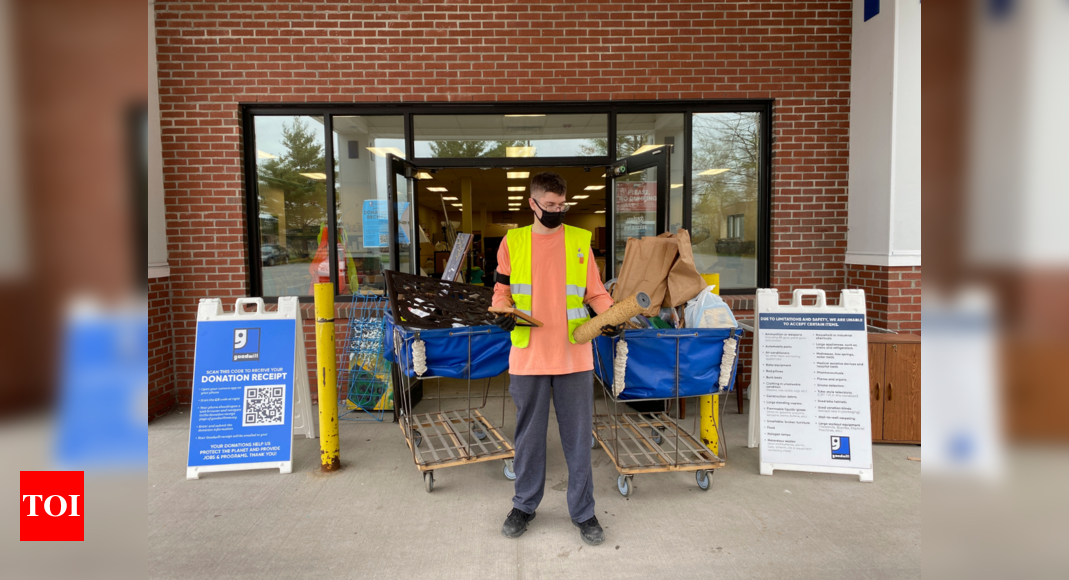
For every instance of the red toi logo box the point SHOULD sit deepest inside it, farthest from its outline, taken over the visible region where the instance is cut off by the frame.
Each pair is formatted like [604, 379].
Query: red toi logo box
[52, 506]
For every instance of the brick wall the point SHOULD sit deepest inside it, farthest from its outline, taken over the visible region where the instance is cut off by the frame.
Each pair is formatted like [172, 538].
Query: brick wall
[213, 56]
[892, 295]
[161, 393]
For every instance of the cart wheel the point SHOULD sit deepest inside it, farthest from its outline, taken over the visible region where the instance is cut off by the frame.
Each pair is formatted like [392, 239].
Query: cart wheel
[593, 442]
[428, 481]
[623, 485]
[703, 479]
[417, 438]
[478, 431]
[510, 474]
[656, 435]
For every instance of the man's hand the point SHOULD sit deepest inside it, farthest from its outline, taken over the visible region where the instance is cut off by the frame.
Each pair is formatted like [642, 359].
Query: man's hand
[612, 331]
[506, 322]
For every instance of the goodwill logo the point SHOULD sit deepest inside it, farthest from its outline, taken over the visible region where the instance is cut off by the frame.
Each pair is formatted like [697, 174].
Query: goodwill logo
[840, 447]
[246, 344]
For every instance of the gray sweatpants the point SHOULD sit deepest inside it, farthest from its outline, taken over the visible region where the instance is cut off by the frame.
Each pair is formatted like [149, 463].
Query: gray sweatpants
[573, 399]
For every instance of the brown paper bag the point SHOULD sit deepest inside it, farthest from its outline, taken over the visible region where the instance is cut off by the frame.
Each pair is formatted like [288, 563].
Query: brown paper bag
[684, 281]
[647, 262]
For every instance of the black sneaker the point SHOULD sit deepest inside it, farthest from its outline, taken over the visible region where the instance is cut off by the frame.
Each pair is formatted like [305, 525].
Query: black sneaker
[590, 531]
[516, 524]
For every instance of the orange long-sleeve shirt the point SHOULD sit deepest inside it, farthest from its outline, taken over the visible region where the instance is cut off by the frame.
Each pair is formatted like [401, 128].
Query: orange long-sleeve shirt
[550, 352]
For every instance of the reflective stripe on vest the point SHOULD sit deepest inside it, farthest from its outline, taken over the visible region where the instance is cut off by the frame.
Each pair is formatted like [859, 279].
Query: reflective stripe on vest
[573, 290]
[577, 253]
[577, 313]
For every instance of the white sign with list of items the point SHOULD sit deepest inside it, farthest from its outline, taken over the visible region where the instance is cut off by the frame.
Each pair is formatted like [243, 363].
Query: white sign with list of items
[812, 368]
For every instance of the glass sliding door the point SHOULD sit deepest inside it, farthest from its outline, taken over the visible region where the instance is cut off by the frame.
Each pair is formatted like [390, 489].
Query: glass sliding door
[640, 132]
[362, 177]
[640, 199]
[402, 216]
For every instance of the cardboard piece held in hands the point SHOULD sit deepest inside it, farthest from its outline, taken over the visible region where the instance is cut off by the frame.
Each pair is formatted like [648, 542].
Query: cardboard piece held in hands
[522, 316]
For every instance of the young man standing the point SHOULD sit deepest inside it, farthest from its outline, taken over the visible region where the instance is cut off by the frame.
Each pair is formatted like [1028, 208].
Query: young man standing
[548, 271]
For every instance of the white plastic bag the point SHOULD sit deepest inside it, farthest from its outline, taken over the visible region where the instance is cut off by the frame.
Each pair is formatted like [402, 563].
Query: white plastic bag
[707, 310]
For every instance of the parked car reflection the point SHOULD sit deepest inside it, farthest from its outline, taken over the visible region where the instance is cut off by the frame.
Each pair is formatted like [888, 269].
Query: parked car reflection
[273, 254]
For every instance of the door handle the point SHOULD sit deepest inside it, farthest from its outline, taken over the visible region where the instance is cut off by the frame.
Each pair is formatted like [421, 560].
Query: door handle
[877, 391]
[889, 391]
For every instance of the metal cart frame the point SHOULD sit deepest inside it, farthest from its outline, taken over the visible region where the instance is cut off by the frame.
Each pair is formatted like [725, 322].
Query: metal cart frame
[444, 439]
[363, 361]
[653, 442]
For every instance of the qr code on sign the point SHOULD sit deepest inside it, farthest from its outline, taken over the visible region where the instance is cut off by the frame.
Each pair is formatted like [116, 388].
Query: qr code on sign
[264, 405]
[384, 239]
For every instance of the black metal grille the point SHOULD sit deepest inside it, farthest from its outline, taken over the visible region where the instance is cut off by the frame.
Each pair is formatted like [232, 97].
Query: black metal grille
[420, 302]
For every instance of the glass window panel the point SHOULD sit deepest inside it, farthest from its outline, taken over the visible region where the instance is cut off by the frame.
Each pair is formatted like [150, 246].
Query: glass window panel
[636, 209]
[292, 198]
[724, 203]
[360, 147]
[642, 130]
[474, 136]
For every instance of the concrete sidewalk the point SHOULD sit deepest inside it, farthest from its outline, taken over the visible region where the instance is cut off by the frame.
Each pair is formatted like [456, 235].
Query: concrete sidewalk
[374, 519]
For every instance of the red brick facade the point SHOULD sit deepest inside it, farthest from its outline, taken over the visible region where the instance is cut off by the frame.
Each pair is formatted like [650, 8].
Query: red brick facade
[161, 391]
[892, 295]
[213, 56]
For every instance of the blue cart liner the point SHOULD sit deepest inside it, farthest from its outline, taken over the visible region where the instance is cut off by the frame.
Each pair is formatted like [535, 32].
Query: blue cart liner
[651, 361]
[447, 350]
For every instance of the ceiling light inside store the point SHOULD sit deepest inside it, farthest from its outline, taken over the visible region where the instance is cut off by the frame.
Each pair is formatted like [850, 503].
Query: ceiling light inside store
[714, 171]
[519, 174]
[457, 205]
[518, 188]
[449, 198]
[515, 197]
[646, 148]
[600, 211]
[423, 175]
[265, 155]
[437, 189]
[571, 203]
[519, 151]
[514, 204]
[315, 175]
[594, 187]
[677, 185]
[382, 151]
[514, 209]
[580, 196]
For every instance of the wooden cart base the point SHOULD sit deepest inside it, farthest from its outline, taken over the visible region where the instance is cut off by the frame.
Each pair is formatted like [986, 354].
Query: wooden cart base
[651, 443]
[444, 439]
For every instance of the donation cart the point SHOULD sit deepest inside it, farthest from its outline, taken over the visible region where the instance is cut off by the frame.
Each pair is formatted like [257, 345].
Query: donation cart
[658, 365]
[419, 352]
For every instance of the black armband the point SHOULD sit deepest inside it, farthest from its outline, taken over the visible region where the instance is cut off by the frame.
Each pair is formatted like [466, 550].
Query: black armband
[501, 278]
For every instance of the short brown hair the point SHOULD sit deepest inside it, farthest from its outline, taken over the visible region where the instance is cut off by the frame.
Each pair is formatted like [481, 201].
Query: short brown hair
[548, 181]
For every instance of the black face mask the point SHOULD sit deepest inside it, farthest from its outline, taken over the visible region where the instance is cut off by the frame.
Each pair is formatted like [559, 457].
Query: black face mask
[550, 219]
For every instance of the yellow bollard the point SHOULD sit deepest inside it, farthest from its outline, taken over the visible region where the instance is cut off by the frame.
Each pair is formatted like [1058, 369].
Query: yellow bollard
[327, 378]
[709, 405]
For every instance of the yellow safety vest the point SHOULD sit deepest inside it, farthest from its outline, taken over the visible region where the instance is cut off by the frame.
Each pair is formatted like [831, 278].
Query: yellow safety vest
[577, 254]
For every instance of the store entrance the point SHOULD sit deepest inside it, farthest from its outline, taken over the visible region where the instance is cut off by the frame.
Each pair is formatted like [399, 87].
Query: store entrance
[628, 199]
[487, 202]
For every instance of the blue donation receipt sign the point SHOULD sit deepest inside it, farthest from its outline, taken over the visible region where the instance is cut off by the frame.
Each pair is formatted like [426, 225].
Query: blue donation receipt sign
[242, 392]
[376, 221]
